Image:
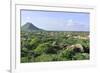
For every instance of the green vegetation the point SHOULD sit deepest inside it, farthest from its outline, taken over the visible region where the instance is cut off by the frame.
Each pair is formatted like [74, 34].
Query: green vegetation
[44, 46]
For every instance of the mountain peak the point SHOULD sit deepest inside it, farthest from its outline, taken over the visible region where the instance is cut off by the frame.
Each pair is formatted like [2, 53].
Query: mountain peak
[29, 27]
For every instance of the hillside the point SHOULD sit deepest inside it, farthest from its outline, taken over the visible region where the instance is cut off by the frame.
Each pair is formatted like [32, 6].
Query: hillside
[29, 27]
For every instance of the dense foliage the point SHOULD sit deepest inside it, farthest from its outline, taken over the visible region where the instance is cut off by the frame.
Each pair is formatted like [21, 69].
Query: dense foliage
[44, 46]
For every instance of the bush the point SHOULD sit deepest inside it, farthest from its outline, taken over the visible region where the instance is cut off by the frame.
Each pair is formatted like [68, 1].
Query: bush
[71, 41]
[24, 59]
[34, 42]
[44, 58]
[42, 48]
[81, 56]
[53, 49]
[67, 54]
[86, 46]
[24, 52]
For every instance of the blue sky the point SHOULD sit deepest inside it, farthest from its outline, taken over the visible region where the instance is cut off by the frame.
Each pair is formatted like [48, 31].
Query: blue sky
[56, 21]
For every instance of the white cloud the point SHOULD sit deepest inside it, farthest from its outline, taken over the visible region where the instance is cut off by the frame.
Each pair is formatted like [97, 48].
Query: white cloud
[28, 17]
[70, 22]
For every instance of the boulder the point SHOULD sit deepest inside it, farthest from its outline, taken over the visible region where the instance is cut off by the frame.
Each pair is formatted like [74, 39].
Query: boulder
[77, 48]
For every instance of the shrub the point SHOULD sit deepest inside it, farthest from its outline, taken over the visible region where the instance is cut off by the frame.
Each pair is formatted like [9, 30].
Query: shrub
[44, 58]
[71, 41]
[24, 52]
[34, 42]
[24, 59]
[86, 46]
[67, 54]
[42, 48]
[81, 56]
[53, 49]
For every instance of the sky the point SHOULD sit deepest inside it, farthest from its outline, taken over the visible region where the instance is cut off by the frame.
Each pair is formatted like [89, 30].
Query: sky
[56, 21]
